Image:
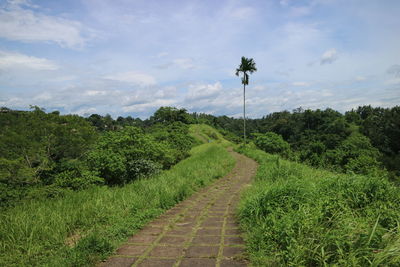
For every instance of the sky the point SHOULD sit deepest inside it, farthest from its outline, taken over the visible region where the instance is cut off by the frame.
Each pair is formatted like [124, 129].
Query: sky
[130, 57]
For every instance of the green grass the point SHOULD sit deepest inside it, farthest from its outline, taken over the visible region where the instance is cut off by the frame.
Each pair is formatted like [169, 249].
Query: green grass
[84, 227]
[294, 215]
[207, 134]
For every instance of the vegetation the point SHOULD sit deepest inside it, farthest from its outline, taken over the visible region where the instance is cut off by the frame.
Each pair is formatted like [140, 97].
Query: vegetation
[44, 155]
[207, 134]
[272, 143]
[36, 151]
[363, 140]
[247, 65]
[294, 215]
[84, 226]
[73, 188]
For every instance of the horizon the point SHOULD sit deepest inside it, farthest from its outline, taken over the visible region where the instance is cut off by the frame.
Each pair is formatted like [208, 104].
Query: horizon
[189, 112]
[127, 58]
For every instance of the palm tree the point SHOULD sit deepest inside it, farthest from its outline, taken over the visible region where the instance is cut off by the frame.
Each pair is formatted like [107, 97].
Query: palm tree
[247, 65]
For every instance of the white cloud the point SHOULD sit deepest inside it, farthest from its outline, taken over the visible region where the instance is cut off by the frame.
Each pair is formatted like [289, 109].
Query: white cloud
[23, 24]
[162, 54]
[45, 96]
[202, 91]
[182, 63]
[360, 78]
[213, 99]
[88, 98]
[17, 61]
[300, 84]
[394, 70]
[260, 88]
[133, 77]
[329, 56]
[145, 107]
[167, 92]
[96, 92]
[395, 81]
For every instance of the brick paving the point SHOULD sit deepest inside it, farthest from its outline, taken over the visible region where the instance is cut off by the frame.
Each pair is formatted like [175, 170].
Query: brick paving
[200, 231]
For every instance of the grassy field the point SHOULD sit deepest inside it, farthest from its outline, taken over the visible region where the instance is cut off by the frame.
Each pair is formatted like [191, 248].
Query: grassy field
[83, 227]
[294, 215]
[207, 134]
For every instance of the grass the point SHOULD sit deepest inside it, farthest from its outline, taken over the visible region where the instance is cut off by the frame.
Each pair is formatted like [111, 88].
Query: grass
[84, 227]
[207, 134]
[294, 215]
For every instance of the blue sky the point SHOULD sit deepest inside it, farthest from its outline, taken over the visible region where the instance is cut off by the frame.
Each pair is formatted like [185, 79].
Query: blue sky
[129, 57]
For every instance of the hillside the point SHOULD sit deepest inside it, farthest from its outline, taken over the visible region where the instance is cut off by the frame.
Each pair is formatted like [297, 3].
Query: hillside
[294, 215]
[81, 227]
[73, 189]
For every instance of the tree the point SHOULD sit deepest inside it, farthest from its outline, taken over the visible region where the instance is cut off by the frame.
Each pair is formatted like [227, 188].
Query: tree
[171, 114]
[272, 143]
[247, 65]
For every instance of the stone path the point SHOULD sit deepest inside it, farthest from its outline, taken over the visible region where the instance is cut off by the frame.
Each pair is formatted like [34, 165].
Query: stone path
[200, 231]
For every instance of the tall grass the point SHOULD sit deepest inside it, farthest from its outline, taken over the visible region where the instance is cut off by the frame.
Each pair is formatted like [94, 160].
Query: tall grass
[82, 227]
[205, 134]
[298, 216]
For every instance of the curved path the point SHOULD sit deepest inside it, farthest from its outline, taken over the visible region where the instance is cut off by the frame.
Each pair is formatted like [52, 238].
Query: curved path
[199, 231]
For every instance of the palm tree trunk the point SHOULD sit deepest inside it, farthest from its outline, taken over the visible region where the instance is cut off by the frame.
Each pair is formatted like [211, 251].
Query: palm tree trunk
[244, 113]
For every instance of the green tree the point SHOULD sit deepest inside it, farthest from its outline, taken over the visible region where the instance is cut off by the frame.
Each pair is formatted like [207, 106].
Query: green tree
[272, 143]
[355, 154]
[171, 114]
[247, 65]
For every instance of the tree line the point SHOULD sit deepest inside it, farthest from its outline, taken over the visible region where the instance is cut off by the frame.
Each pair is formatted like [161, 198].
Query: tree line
[45, 154]
[42, 154]
[363, 140]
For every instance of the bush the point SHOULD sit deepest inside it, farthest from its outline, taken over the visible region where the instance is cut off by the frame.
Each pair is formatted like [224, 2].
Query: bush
[362, 164]
[128, 154]
[272, 143]
[109, 165]
[312, 153]
[77, 180]
[142, 168]
[354, 154]
[175, 136]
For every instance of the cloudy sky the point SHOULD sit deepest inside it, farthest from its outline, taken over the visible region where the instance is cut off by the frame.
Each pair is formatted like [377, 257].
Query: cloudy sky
[129, 57]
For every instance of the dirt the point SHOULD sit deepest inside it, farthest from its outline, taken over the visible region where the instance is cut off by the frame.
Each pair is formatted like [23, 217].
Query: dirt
[200, 231]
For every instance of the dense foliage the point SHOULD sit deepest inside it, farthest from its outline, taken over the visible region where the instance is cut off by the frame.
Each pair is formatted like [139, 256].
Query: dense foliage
[44, 154]
[272, 143]
[125, 155]
[364, 140]
[37, 147]
[298, 216]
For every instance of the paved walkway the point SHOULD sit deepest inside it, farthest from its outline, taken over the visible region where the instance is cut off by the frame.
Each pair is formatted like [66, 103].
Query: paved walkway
[200, 231]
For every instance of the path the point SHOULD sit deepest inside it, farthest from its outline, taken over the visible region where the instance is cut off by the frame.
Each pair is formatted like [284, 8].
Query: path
[200, 231]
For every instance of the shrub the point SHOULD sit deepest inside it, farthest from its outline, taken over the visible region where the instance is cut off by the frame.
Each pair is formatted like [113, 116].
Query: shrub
[354, 154]
[77, 180]
[109, 165]
[272, 143]
[176, 137]
[122, 156]
[362, 164]
[142, 168]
